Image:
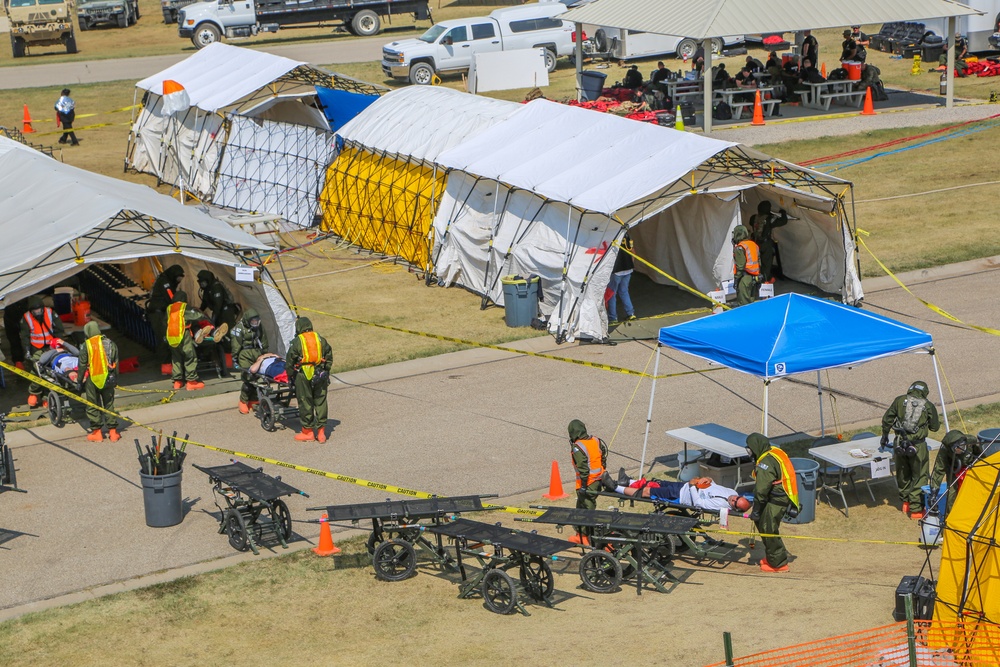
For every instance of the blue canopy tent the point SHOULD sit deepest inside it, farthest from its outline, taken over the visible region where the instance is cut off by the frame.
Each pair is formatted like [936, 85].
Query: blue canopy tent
[795, 333]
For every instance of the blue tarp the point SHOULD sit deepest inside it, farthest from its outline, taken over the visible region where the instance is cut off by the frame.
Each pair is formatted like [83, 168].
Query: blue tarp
[793, 333]
[340, 106]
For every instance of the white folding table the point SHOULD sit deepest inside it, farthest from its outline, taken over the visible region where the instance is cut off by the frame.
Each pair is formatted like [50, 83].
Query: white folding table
[716, 439]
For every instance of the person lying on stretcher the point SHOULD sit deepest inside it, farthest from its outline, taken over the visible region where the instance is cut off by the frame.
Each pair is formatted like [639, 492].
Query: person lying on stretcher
[270, 365]
[63, 360]
[700, 492]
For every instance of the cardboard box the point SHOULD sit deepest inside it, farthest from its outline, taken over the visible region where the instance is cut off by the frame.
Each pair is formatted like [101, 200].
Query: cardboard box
[726, 475]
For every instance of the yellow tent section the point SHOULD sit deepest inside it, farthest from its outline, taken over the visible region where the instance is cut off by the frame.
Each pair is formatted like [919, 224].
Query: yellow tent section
[383, 203]
[967, 608]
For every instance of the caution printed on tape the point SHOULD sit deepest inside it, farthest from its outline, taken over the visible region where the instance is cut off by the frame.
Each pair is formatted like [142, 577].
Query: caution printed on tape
[719, 531]
[940, 311]
[503, 348]
[389, 488]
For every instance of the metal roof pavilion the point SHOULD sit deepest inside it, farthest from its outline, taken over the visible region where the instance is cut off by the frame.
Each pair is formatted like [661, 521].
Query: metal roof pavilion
[706, 19]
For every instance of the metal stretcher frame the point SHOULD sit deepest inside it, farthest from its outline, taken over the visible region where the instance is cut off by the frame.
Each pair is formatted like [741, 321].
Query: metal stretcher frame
[275, 401]
[698, 544]
[8, 473]
[247, 493]
[397, 531]
[529, 552]
[626, 545]
[59, 407]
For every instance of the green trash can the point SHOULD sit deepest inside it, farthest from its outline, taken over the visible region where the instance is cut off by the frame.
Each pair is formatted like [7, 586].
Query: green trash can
[807, 473]
[161, 499]
[520, 300]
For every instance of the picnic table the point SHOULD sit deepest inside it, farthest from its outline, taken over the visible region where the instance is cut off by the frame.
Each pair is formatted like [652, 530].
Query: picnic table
[769, 106]
[716, 439]
[822, 95]
[839, 456]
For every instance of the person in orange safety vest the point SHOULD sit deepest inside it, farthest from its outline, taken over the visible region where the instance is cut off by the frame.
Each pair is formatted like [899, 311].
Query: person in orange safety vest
[40, 326]
[183, 355]
[308, 364]
[746, 265]
[590, 459]
[99, 368]
[775, 494]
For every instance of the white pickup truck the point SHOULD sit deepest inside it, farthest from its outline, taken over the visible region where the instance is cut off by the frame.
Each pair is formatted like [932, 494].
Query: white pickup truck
[449, 46]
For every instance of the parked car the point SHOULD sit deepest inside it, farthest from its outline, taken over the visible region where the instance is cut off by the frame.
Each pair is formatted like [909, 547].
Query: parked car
[120, 13]
[450, 45]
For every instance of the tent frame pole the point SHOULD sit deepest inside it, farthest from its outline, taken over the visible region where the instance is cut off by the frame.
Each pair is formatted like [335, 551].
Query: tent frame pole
[649, 412]
[819, 390]
[767, 386]
[937, 376]
[578, 51]
[706, 76]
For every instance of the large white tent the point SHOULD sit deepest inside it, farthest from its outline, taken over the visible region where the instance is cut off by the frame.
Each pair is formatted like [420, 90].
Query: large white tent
[382, 191]
[57, 220]
[549, 190]
[254, 116]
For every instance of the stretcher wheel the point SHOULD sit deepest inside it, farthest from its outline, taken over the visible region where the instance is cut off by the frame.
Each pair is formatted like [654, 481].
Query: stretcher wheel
[236, 529]
[394, 560]
[600, 572]
[283, 518]
[56, 415]
[265, 410]
[498, 592]
[536, 578]
[8, 475]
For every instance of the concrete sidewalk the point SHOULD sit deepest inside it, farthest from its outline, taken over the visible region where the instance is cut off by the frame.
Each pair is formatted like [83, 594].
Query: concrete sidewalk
[476, 421]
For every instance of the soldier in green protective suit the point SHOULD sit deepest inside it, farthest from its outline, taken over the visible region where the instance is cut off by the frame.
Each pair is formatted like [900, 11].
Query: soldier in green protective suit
[308, 364]
[911, 416]
[762, 227]
[775, 490]
[746, 265]
[958, 452]
[248, 340]
[590, 460]
[160, 297]
[100, 379]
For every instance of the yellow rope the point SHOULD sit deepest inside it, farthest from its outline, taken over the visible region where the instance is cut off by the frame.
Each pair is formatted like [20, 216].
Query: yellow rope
[634, 392]
[965, 428]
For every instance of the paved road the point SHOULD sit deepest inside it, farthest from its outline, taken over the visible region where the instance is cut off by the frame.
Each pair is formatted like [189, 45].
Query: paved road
[336, 50]
[476, 421]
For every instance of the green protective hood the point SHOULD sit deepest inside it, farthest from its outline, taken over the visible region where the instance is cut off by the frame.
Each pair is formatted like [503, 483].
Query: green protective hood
[952, 437]
[740, 233]
[90, 329]
[302, 325]
[35, 302]
[207, 276]
[180, 296]
[758, 444]
[577, 430]
[175, 271]
[918, 388]
[764, 207]
[249, 314]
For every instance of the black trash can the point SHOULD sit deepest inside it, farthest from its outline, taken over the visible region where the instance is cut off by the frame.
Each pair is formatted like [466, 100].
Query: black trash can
[591, 84]
[687, 112]
[161, 498]
[931, 48]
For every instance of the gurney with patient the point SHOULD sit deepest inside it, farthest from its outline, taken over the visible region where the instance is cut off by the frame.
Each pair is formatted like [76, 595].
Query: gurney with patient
[60, 366]
[275, 393]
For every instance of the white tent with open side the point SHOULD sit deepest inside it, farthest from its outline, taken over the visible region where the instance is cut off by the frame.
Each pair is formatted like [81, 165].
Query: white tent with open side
[57, 220]
[255, 137]
[550, 189]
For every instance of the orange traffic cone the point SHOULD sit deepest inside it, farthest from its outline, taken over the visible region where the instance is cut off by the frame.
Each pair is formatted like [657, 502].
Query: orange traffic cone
[555, 485]
[758, 110]
[27, 129]
[869, 109]
[823, 70]
[326, 547]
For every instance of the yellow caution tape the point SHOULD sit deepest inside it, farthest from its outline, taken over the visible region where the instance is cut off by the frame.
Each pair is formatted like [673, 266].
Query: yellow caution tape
[928, 304]
[719, 531]
[170, 392]
[77, 129]
[502, 348]
[19, 414]
[676, 281]
[101, 113]
[690, 311]
[390, 488]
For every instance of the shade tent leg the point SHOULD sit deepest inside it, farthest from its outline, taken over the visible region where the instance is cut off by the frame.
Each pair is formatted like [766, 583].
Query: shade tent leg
[706, 75]
[579, 60]
[819, 390]
[767, 386]
[937, 376]
[949, 100]
[649, 413]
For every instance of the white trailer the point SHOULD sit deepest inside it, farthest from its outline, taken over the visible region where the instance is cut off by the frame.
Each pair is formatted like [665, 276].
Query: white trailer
[977, 29]
[628, 44]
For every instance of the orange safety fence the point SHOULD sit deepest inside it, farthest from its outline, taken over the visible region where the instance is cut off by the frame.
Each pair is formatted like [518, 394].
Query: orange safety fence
[937, 644]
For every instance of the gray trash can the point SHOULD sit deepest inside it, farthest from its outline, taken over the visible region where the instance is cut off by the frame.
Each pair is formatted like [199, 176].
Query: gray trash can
[807, 472]
[161, 498]
[990, 440]
[520, 300]
[591, 84]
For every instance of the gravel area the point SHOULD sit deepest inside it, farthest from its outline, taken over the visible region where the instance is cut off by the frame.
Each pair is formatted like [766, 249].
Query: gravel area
[804, 128]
